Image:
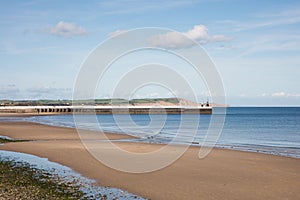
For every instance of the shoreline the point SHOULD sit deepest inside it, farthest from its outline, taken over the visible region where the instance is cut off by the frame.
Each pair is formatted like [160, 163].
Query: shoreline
[223, 174]
[256, 148]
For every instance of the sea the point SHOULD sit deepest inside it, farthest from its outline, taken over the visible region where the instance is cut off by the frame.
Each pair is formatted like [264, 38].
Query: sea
[269, 130]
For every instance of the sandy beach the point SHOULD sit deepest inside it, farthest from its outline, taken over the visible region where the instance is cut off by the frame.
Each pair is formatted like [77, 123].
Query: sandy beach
[223, 174]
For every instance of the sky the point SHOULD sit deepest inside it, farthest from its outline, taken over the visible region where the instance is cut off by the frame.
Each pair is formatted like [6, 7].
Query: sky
[255, 45]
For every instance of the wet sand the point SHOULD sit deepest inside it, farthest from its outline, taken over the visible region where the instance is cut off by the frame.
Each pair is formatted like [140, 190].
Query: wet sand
[223, 174]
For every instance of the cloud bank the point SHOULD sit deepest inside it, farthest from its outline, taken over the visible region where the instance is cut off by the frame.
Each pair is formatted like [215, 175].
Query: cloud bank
[198, 33]
[49, 92]
[280, 94]
[65, 29]
[8, 91]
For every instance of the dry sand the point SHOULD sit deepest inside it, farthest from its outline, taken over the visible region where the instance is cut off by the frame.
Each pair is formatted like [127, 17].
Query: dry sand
[223, 174]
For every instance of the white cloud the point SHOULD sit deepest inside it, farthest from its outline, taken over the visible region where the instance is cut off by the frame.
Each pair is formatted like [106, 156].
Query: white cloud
[198, 33]
[49, 92]
[8, 91]
[280, 94]
[66, 29]
[293, 95]
[171, 40]
[47, 89]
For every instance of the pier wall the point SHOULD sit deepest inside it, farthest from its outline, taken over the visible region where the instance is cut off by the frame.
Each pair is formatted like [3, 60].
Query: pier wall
[45, 110]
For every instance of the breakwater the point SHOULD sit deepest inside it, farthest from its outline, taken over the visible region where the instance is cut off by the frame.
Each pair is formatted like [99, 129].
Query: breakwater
[44, 110]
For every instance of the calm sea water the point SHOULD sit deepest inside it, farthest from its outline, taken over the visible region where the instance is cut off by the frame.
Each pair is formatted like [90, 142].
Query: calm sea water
[272, 130]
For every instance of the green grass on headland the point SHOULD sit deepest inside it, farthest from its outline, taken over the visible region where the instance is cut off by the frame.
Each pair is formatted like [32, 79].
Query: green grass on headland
[85, 102]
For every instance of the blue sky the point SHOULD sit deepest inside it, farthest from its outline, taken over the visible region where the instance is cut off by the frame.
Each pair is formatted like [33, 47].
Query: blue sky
[254, 44]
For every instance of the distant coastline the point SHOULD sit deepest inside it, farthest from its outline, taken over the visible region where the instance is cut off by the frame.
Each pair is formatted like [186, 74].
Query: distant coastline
[107, 106]
[109, 102]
